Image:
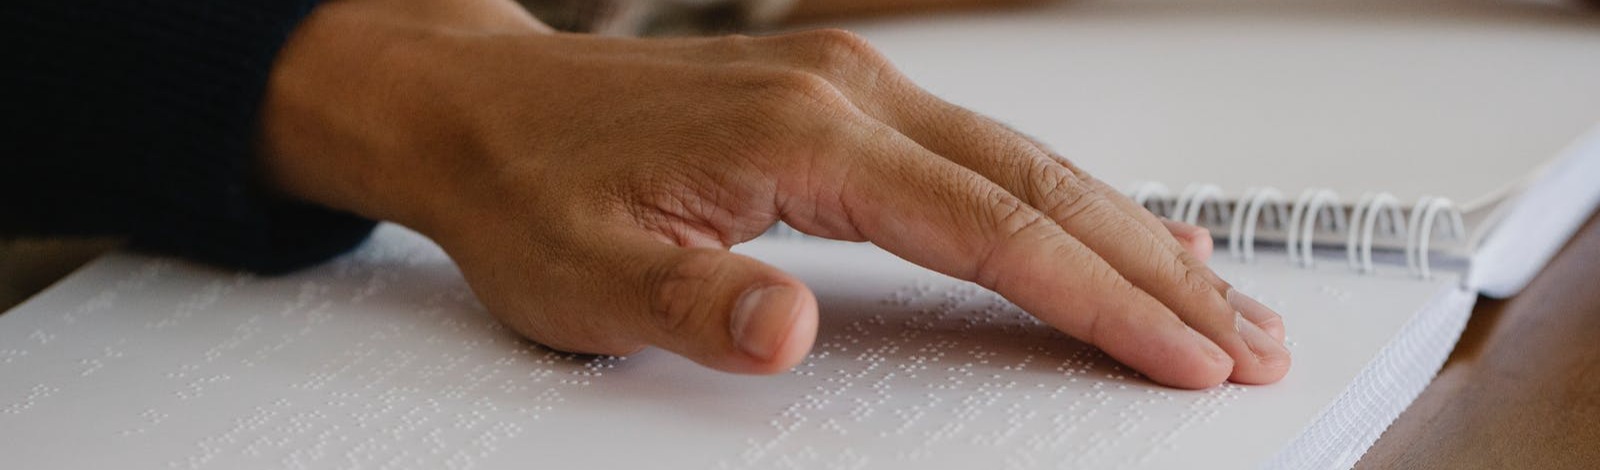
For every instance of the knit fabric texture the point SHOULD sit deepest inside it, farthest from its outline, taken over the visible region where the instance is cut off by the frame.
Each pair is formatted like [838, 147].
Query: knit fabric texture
[139, 118]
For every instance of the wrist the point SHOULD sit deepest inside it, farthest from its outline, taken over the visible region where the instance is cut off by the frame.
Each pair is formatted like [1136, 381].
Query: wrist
[358, 117]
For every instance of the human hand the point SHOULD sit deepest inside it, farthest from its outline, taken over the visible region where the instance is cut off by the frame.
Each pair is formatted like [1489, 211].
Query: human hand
[589, 187]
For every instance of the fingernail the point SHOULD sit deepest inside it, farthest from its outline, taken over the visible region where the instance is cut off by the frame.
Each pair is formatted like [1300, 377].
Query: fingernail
[1212, 350]
[762, 318]
[1250, 309]
[1263, 345]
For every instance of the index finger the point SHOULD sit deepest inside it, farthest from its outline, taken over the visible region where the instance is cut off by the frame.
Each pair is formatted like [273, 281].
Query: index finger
[1128, 237]
[942, 216]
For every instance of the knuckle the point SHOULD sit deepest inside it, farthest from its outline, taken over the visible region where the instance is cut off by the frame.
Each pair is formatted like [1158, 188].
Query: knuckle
[1016, 226]
[836, 50]
[794, 112]
[1196, 285]
[687, 289]
[1012, 216]
[1173, 267]
[836, 37]
[788, 96]
[774, 111]
[736, 45]
[1057, 191]
[1187, 277]
[790, 87]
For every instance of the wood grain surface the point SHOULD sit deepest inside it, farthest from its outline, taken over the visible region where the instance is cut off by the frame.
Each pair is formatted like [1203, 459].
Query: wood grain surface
[1522, 389]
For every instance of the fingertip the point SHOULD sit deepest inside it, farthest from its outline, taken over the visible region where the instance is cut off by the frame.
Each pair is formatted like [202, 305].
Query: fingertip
[1268, 369]
[1201, 245]
[797, 344]
[1195, 239]
[1274, 327]
[1175, 356]
[1207, 368]
[782, 336]
[1258, 313]
[762, 318]
[1269, 361]
[1198, 379]
[1202, 376]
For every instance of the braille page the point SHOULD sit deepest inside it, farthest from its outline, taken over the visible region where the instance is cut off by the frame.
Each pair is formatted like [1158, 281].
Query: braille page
[383, 359]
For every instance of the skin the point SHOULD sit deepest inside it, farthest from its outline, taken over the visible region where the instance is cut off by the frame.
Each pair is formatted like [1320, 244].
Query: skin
[589, 187]
[817, 10]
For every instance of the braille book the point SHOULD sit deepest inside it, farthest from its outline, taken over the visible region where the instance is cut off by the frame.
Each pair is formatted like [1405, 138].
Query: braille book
[382, 359]
[1366, 177]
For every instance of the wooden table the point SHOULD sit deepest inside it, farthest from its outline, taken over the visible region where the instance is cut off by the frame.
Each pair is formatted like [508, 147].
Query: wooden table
[1522, 388]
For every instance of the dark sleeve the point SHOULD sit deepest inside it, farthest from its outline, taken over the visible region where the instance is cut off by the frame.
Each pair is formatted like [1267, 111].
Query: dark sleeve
[137, 118]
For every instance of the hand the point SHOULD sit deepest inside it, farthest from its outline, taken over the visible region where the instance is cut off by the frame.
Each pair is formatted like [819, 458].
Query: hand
[589, 187]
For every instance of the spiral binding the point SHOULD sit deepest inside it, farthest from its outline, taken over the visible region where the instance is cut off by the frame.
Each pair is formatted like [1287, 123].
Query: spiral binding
[1316, 209]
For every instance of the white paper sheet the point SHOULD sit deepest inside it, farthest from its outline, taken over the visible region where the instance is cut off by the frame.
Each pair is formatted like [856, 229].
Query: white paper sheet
[382, 359]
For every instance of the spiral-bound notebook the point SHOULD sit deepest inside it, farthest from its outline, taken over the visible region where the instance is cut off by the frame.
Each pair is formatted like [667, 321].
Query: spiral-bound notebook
[383, 359]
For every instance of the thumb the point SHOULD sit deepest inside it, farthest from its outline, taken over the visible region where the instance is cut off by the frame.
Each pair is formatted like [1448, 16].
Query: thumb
[720, 309]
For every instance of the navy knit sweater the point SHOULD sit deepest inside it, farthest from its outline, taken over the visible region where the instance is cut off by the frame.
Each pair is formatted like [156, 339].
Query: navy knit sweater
[137, 118]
